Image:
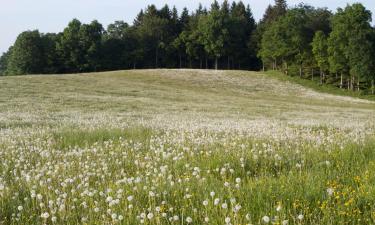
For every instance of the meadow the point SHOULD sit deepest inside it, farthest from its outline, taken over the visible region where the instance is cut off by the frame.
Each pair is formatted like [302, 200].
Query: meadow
[183, 147]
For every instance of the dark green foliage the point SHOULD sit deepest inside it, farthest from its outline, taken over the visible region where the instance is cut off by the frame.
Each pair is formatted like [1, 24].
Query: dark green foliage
[4, 59]
[340, 46]
[27, 54]
[351, 46]
[114, 44]
[79, 46]
[69, 48]
[241, 29]
[214, 32]
[287, 40]
[52, 62]
[157, 38]
[32, 53]
[359, 50]
[156, 32]
[90, 43]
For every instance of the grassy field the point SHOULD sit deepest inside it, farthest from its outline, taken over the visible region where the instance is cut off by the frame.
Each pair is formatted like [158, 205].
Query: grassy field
[183, 147]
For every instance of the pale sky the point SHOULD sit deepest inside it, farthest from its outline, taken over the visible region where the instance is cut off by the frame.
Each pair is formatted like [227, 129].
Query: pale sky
[53, 15]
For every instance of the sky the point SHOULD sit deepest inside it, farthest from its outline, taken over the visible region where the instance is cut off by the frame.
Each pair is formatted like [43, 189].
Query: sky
[53, 15]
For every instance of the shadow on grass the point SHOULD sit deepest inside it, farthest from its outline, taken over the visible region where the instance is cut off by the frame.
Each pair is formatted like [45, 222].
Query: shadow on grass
[327, 88]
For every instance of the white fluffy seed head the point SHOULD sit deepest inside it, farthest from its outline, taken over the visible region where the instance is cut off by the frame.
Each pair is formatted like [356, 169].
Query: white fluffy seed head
[265, 219]
[45, 215]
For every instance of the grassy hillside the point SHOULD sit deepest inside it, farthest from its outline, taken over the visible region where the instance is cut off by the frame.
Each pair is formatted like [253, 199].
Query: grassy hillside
[183, 146]
[194, 94]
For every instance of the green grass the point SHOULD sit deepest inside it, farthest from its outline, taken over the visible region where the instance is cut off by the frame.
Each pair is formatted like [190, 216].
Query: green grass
[149, 146]
[69, 138]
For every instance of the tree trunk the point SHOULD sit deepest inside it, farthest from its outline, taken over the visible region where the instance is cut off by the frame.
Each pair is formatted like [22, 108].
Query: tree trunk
[372, 86]
[286, 69]
[358, 84]
[348, 81]
[341, 81]
[206, 63]
[352, 83]
[300, 71]
[216, 63]
[263, 66]
[156, 57]
[180, 61]
[190, 64]
[276, 64]
[321, 77]
[312, 74]
[134, 65]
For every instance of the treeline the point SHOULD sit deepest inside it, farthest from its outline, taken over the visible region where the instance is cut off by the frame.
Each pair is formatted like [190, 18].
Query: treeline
[158, 38]
[338, 49]
[313, 43]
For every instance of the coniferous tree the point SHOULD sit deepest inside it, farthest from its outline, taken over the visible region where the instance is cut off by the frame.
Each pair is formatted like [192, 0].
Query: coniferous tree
[192, 38]
[179, 43]
[139, 18]
[274, 12]
[153, 31]
[183, 21]
[241, 29]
